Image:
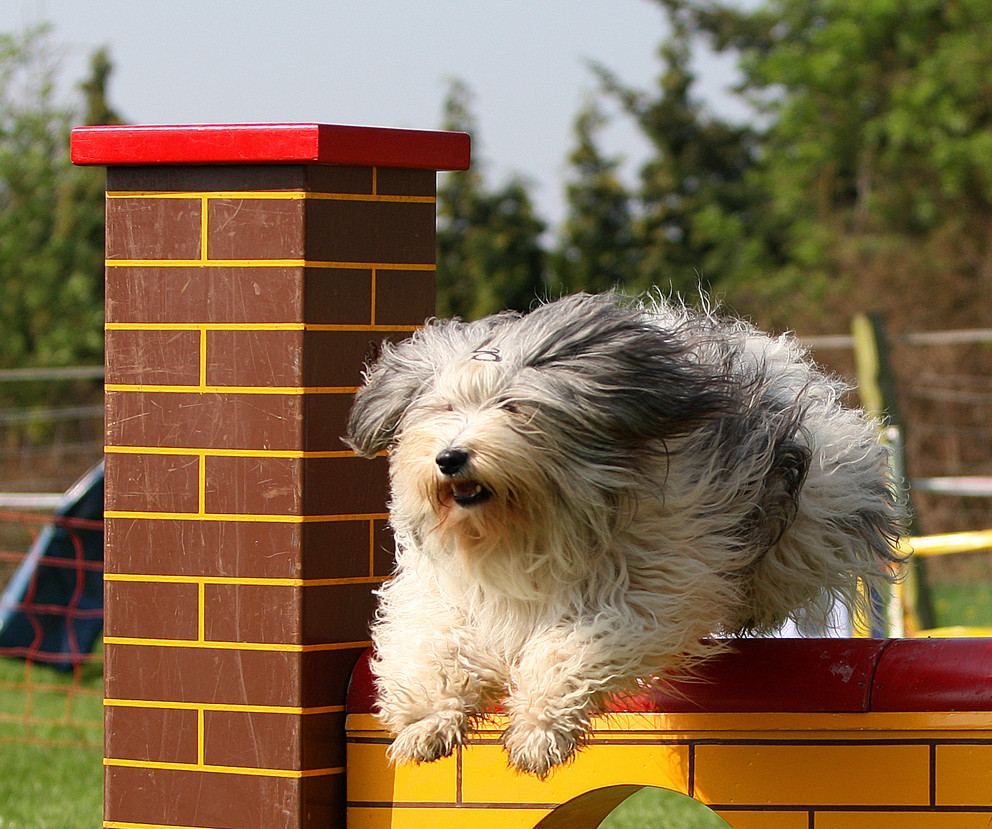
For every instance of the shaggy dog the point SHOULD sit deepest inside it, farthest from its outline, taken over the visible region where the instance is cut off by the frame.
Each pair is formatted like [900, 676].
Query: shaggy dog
[583, 495]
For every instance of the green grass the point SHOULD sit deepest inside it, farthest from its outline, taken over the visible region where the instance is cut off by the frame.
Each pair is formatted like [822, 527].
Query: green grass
[48, 787]
[661, 809]
[967, 603]
[51, 769]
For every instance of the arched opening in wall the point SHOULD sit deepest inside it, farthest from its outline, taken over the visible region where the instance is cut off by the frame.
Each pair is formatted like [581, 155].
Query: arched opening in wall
[633, 807]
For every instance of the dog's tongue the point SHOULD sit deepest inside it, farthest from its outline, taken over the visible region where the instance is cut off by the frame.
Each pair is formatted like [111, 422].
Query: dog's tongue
[469, 493]
[466, 489]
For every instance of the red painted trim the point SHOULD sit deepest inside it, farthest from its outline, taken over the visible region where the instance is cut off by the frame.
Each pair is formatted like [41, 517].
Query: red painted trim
[801, 675]
[809, 676]
[934, 675]
[271, 144]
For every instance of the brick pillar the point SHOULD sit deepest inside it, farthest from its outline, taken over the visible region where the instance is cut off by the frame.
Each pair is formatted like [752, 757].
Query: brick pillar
[249, 272]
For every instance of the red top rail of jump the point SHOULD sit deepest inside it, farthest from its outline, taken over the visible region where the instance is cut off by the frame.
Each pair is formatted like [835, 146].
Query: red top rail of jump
[271, 144]
[807, 676]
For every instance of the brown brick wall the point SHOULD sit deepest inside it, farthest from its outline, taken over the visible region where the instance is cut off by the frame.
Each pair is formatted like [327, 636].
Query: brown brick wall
[243, 538]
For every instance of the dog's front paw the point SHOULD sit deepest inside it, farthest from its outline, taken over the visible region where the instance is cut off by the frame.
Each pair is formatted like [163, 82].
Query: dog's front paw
[536, 748]
[429, 739]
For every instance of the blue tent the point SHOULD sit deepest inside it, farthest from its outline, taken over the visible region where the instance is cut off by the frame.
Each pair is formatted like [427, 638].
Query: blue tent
[52, 608]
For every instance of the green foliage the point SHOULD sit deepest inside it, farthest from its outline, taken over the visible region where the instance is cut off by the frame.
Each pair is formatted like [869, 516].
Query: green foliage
[597, 250]
[51, 213]
[693, 199]
[489, 252]
[874, 172]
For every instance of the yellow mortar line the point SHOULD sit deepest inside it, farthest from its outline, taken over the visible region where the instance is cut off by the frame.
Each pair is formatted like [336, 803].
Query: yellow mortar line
[245, 517]
[153, 387]
[271, 195]
[194, 644]
[227, 708]
[372, 548]
[118, 824]
[200, 739]
[267, 263]
[203, 357]
[229, 453]
[251, 772]
[201, 485]
[204, 236]
[253, 326]
[372, 298]
[205, 326]
[248, 581]
[201, 611]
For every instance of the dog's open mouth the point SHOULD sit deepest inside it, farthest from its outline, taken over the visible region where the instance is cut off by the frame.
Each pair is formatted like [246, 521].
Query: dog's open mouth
[467, 493]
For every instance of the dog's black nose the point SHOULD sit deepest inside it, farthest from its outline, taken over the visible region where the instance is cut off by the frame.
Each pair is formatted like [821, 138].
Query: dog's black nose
[451, 461]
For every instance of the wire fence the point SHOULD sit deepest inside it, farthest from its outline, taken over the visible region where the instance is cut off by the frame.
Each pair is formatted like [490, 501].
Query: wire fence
[51, 427]
[943, 387]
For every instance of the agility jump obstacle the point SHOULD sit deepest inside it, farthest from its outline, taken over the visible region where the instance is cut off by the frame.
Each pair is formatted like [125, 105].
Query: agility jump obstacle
[778, 734]
[250, 272]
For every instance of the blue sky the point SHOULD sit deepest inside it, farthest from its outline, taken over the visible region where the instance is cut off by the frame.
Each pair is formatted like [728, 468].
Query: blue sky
[374, 62]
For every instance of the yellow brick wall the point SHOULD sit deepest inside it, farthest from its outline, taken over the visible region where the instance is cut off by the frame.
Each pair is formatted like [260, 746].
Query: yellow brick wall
[757, 771]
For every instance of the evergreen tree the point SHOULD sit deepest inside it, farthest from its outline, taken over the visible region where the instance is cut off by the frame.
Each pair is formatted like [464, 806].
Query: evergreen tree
[33, 132]
[596, 247]
[489, 251]
[693, 206]
[78, 231]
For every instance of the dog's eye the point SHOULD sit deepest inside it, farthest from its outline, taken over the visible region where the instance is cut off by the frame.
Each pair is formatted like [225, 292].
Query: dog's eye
[510, 407]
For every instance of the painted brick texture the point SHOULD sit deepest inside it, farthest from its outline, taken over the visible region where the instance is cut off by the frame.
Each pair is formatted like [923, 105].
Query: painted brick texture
[243, 538]
[887, 733]
[767, 770]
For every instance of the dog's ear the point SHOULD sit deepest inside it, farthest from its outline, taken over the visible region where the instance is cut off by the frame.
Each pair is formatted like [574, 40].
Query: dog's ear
[393, 380]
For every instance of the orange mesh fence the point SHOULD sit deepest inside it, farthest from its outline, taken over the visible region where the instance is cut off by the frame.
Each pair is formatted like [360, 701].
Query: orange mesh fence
[51, 615]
